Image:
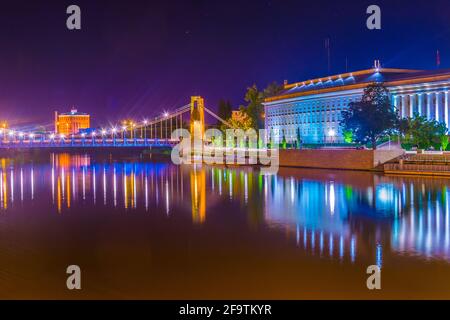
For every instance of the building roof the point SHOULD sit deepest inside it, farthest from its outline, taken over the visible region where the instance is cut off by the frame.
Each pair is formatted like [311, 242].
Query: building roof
[73, 112]
[359, 79]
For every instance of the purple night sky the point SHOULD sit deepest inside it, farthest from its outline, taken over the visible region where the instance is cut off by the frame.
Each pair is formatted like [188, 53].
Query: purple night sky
[138, 58]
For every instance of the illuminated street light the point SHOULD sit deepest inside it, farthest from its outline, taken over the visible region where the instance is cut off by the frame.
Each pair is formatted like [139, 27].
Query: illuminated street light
[62, 136]
[103, 132]
[31, 135]
[21, 134]
[52, 136]
[331, 134]
[166, 114]
[11, 133]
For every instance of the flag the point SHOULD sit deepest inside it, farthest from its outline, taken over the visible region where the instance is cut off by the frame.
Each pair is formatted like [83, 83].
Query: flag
[438, 59]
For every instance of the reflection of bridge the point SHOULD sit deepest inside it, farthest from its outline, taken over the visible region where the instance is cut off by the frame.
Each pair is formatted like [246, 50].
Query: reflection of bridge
[156, 132]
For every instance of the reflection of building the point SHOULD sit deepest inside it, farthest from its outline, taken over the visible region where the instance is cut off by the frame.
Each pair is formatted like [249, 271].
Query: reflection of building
[71, 122]
[314, 106]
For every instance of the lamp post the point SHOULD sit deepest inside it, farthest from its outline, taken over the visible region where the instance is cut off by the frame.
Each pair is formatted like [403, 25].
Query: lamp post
[21, 136]
[166, 115]
[31, 136]
[11, 136]
[113, 133]
[331, 134]
[133, 129]
[93, 137]
[103, 136]
[124, 128]
[52, 137]
[145, 132]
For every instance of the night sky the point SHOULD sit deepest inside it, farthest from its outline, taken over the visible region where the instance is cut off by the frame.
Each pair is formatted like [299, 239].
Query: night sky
[138, 58]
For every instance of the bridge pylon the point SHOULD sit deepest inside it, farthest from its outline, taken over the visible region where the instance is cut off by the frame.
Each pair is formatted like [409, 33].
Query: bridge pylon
[197, 123]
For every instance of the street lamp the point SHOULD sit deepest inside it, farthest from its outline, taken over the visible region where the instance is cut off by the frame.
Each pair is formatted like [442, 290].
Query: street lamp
[11, 135]
[52, 137]
[124, 128]
[133, 131]
[332, 134]
[113, 135]
[103, 132]
[145, 130]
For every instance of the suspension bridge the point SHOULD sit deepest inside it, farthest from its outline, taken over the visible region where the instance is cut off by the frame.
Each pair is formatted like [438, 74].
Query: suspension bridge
[156, 132]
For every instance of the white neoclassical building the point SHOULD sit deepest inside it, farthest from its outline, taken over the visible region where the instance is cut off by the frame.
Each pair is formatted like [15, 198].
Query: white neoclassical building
[313, 108]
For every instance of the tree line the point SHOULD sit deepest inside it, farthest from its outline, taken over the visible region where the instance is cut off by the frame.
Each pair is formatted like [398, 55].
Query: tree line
[374, 118]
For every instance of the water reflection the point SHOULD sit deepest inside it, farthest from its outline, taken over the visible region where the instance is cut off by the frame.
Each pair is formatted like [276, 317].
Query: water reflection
[343, 216]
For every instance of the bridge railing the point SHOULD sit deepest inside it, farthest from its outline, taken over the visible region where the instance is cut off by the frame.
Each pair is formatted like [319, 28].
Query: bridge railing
[86, 142]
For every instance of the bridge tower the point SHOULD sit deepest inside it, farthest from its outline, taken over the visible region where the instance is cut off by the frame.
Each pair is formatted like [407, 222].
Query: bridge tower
[197, 122]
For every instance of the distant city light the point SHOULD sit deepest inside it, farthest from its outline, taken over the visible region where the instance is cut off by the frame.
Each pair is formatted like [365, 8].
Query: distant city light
[31, 135]
[145, 122]
[21, 134]
[166, 114]
[93, 133]
[62, 136]
[11, 132]
[124, 128]
[52, 136]
[83, 134]
[331, 133]
[113, 130]
[103, 132]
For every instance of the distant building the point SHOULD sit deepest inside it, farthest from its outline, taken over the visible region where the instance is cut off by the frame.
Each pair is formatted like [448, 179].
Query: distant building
[71, 122]
[314, 107]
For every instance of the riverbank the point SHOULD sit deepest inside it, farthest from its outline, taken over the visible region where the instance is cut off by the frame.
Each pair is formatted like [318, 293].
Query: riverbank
[342, 159]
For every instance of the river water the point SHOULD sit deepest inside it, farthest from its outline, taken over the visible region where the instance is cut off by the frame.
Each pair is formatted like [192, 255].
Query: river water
[142, 228]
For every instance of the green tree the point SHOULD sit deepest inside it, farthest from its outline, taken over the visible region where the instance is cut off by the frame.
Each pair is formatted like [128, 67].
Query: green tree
[444, 142]
[371, 118]
[254, 108]
[224, 110]
[255, 98]
[348, 136]
[423, 133]
[272, 89]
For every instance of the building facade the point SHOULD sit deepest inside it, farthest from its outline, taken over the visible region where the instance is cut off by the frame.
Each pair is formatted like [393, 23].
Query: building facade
[71, 122]
[313, 109]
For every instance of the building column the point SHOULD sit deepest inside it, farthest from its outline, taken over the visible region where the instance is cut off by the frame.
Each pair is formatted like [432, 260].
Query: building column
[403, 106]
[395, 98]
[411, 105]
[437, 107]
[421, 98]
[446, 110]
[429, 105]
